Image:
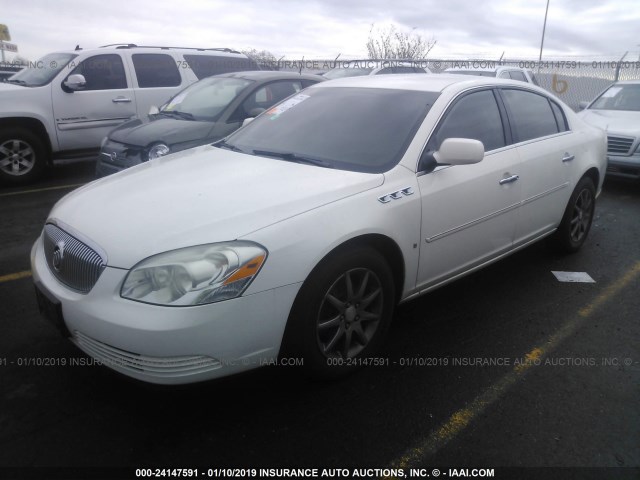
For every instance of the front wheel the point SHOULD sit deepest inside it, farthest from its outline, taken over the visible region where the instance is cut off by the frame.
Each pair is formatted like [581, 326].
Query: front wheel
[578, 217]
[22, 156]
[342, 313]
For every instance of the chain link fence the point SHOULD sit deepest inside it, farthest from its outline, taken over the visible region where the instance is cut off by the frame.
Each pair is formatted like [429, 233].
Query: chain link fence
[570, 80]
[573, 81]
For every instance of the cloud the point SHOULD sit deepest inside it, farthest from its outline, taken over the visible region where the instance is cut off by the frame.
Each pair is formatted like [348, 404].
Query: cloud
[326, 28]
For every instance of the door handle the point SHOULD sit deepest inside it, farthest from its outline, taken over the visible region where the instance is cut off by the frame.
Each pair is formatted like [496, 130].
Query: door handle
[510, 179]
[121, 100]
[567, 157]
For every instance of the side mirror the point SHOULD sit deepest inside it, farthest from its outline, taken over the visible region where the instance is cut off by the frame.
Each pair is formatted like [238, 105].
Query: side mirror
[154, 110]
[460, 151]
[247, 121]
[75, 82]
[583, 105]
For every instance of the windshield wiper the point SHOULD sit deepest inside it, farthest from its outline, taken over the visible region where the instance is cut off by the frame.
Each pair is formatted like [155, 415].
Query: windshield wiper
[293, 157]
[228, 146]
[19, 82]
[183, 115]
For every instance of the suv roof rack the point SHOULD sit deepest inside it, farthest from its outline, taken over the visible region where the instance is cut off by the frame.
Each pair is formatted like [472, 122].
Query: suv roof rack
[133, 45]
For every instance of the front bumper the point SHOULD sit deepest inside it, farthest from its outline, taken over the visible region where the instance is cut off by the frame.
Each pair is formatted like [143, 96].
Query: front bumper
[115, 157]
[623, 166]
[169, 345]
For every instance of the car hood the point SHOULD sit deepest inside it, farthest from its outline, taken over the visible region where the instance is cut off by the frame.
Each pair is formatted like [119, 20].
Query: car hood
[10, 87]
[198, 196]
[613, 121]
[155, 128]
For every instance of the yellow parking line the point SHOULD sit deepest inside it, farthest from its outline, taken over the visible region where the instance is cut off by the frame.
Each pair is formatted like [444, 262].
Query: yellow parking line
[15, 276]
[439, 437]
[59, 187]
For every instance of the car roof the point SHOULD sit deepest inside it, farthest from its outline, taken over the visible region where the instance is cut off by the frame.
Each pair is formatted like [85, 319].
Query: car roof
[225, 52]
[426, 83]
[627, 82]
[259, 75]
[482, 69]
[373, 63]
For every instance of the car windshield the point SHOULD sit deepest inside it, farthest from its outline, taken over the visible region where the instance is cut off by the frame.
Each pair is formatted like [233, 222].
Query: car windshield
[619, 97]
[347, 72]
[206, 99]
[43, 71]
[478, 73]
[357, 129]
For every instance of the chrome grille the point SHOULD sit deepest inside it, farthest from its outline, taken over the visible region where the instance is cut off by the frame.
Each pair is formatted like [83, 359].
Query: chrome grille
[619, 145]
[71, 261]
[155, 366]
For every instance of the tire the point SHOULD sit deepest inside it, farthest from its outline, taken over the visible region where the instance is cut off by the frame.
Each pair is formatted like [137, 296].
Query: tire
[578, 217]
[22, 156]
[332, 326]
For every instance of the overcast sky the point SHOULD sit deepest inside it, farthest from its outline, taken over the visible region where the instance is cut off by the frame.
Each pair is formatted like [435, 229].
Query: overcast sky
[325, 28]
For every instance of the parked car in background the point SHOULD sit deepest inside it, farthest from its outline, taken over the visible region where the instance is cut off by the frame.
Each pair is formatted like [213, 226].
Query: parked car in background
[617, 112]
[62, 106]
[7, 70]
[204, 112]
[296, 236]
[357, 68]
[511, 73]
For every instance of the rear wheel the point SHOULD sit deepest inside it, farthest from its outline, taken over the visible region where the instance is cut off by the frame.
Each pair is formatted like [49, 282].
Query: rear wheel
[22, 156]
[578, 217]
[342, 313]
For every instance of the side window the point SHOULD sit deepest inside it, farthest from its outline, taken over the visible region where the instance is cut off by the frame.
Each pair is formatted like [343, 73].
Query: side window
[265, 97]
[156, 70]
[207, 65]
[476, 116]
[385, 71]
[516, 75]
[102, 72]
[403, 70]
[561, 120]
[505, 74]
[530, 114]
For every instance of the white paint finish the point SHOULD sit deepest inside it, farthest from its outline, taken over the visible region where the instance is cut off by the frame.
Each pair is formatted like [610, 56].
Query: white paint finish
[300, 214]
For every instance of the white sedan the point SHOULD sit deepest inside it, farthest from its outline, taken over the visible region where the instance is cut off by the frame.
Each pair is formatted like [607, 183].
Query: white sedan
[296, 237]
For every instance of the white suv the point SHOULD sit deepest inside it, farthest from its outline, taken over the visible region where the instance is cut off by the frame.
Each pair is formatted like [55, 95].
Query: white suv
[62, 106]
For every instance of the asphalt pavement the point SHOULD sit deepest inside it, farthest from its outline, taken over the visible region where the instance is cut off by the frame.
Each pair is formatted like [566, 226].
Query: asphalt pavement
[507, 371]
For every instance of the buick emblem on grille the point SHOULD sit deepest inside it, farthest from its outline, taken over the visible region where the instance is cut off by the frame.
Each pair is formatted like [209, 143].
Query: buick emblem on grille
[114, 156]
[58, 255]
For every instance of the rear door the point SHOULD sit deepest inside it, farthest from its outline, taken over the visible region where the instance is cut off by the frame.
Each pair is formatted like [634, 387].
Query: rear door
[84, 117]
[546, 147]
[157, 79]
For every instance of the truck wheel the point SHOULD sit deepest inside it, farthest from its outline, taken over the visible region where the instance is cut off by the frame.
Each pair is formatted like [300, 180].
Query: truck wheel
[22, 156]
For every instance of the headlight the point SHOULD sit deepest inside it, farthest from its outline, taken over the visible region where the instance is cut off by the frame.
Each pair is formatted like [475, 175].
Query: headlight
[195, 275]
[157, 151]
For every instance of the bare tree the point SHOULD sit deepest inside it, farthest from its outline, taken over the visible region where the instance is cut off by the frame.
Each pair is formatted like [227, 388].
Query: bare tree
[391, 44]
[264, 58]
